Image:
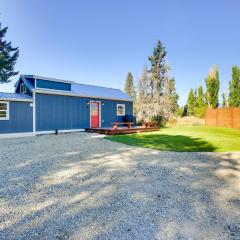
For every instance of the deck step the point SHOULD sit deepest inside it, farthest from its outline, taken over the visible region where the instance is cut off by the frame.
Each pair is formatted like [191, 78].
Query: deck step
[111, 131]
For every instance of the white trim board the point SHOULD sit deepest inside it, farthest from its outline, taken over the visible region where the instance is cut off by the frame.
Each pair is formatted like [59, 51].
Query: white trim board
[16, 100]
[7, 111]
[16, 135]
[65, 93]
[32, 134]
[51, 79]
[60, 131]
[34, 112]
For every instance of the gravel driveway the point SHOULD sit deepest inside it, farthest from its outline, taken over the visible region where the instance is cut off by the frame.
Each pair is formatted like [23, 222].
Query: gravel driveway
[80, 186]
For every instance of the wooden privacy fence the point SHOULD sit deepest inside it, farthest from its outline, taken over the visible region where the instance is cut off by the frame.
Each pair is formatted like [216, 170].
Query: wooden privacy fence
[223, 117]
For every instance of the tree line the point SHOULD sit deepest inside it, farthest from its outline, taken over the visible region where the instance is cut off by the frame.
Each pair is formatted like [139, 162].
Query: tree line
[154, 96]
[198, 101]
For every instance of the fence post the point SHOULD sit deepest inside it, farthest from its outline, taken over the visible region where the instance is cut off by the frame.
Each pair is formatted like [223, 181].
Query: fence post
[217, 117]
[232, 117]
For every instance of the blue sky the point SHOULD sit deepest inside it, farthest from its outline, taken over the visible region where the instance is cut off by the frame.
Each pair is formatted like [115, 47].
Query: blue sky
[98, 42]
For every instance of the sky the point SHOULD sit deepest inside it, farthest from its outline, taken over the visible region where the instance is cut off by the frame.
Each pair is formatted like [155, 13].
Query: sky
[99, 42]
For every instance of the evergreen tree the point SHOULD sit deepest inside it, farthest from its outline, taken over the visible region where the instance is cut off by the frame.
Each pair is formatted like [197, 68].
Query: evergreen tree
[129, 85]
[158, 78]
[171, 95]
[8, 57]
[158, 69]
[224, 100]
[185, 111]
[156, 92]
[234, 88]
[191, 103]
[130, 90]
[212, 84]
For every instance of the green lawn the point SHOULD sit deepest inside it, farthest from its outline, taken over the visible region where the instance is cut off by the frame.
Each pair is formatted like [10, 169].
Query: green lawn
[185, 139]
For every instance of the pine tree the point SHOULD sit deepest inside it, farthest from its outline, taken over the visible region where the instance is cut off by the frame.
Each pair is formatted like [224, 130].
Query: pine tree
[171, 95]
[8, 57]
[212, 84]
[224, 100]
[130, 90]
[191, 103]
[158, 69]
[158, 78]
[129, 85]
[234, 88]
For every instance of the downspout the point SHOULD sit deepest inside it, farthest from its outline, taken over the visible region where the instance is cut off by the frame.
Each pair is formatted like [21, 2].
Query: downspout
[34, 108]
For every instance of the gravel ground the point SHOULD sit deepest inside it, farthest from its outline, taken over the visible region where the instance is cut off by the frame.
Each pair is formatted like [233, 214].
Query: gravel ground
[80, 186]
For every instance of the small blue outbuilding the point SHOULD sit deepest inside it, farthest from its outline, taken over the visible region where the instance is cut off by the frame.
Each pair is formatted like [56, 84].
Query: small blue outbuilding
[43, 105]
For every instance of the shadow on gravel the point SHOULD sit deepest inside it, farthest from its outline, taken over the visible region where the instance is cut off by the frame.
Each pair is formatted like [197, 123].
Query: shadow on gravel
[76, 187]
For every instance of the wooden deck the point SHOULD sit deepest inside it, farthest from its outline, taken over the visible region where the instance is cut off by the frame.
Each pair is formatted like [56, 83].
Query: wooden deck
[122, 130]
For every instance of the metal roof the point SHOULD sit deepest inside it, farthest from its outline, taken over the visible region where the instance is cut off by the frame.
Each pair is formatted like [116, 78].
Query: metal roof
[14, 96]
[84, 90]
[99, 92]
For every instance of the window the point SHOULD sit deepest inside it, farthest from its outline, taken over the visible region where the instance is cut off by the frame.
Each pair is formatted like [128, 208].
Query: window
[4, 110]
[121, 109]
[23, 88]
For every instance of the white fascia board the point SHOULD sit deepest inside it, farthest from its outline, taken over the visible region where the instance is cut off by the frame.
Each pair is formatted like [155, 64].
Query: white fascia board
[51, 79]
[26, 83]
[60, 131]
[65, 93]
[16, 100]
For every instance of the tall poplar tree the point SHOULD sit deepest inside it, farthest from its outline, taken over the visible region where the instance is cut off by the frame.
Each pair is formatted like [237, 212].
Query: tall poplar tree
[200, 97]
[191, 103]
[234, 88]
[212, 84]
[200, 107]
[8, 57]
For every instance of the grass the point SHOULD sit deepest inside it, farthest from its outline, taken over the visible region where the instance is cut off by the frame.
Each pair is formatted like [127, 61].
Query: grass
[185, 139]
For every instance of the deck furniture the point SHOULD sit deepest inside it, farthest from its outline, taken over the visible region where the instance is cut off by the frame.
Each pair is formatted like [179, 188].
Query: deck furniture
[149, 124]
[116, 124]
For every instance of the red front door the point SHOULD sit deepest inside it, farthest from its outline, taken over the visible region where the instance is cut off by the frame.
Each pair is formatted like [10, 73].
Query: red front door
[94, 114]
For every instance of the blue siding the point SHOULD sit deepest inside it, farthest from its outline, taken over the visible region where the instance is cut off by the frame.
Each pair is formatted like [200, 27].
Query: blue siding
[31, 81]
[67, 112]
[20, 118]
[18, 88]
[53, 85]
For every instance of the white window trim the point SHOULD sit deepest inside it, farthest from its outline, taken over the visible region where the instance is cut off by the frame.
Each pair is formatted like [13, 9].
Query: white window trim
[21, 88]
[7, 111]
[124, 107]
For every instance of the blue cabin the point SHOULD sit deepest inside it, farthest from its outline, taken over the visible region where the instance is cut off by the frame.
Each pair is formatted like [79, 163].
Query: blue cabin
[43, 105]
